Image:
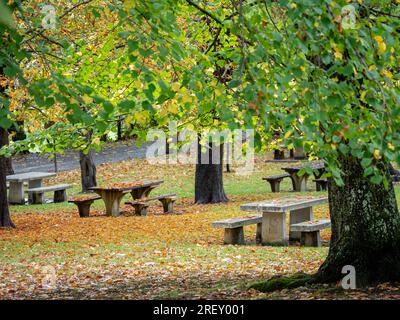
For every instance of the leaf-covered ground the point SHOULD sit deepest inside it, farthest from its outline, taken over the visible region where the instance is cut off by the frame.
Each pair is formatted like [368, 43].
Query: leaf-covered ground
[55, 254]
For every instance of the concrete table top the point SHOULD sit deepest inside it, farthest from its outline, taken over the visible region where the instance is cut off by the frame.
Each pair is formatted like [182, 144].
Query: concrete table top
[318, 165]
[28, 176]
[125, 186]
[284, 204]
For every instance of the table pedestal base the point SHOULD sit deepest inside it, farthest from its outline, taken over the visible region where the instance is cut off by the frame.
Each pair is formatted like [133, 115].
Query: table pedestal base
[112, 200]
[274, 228]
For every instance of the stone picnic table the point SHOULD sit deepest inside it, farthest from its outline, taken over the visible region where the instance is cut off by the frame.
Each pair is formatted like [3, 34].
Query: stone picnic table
[113, 193]
[273, 225]
[34, 179]
[300, 182]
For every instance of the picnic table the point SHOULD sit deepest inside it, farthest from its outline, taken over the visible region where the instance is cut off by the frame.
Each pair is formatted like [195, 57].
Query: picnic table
[273, 225]
[34, 179]
[300, 182]
[113, 193]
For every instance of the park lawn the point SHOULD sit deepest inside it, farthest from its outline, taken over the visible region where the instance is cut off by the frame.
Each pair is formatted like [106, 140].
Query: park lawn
[158, 256]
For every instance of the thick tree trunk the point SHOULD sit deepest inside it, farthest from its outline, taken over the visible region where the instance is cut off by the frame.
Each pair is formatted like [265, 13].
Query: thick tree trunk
[209, 187]
[8, 166]
[5, 218]
[88, 171]
[365, 228]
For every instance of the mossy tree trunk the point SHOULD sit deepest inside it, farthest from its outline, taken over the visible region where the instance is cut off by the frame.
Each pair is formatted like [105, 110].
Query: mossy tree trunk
[365, 228]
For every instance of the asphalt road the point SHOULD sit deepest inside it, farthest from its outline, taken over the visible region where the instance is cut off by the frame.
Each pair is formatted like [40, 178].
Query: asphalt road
[111, 152]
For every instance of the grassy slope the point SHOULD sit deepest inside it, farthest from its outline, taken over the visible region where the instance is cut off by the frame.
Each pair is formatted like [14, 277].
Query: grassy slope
[159, 256]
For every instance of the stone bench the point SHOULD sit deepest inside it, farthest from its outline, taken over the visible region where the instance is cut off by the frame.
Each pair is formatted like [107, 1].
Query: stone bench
[310, 231]
[321, 184]
[60, 193]
[141, 205]
[276, 180]
[234, 233]
[84, 203]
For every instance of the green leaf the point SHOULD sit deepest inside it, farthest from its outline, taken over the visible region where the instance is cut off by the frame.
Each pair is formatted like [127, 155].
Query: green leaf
[6, 17]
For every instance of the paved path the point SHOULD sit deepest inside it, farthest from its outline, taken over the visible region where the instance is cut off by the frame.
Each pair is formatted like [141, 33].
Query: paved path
[111, 152]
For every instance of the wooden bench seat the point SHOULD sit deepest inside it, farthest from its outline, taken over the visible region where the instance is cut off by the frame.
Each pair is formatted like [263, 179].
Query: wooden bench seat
[310, 231]
[276, 180]
[234, 233]
[84, 203]
[321, 184]
[141, 205]
[60, 193]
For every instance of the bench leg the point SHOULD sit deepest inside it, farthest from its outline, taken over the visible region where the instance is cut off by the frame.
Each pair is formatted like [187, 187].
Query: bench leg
[274, 228]
[259, 233]
[37, 198]
[141, 192]
[234, 236]
[299, 183]
[60, 196]
[297, 216]
[275, 185]
[168, 205]
[310, 239]
[141, 209]
[84, 209]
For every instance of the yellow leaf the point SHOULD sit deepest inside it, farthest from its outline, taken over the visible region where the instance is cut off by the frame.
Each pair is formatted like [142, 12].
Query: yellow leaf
[377, 154]
[391, 146]
[387, 73]
[338, 53]
[381, 44]
[288, 134]
[96, 141]
[129, 120]
[86, 99]
[138, 84]
[173, 108]
[129, 4]
[141, 117]
[175, 86]
[186, 97]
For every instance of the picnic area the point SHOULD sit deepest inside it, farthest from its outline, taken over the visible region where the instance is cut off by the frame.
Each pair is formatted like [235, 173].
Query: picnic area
[179, 255]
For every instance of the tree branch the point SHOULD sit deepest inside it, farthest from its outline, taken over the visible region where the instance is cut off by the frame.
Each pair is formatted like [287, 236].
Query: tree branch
[209, 14]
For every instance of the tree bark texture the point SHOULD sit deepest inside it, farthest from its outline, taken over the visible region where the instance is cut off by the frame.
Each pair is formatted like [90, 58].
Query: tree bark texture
[209, 187]
[365, 228]
[88, 170]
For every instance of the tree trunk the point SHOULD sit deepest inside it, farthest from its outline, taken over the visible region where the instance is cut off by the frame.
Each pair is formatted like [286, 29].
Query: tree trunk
[88, 171]
[8, 168]
[5, 218]
[365, 228]
[209, 187]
